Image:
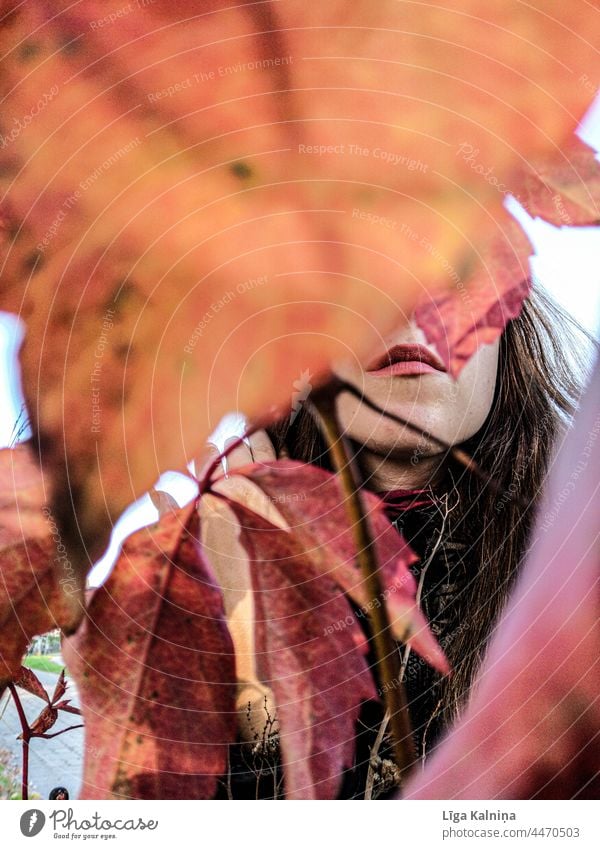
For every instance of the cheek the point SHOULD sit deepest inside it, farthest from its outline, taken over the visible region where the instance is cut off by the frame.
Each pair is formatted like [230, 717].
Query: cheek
[451, 410]
[473, 396]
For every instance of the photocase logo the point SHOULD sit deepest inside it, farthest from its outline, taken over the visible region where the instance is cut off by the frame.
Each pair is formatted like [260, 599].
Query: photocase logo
[32, 822]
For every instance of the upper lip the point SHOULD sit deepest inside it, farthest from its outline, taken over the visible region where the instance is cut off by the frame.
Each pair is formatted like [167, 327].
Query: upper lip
[407, 353]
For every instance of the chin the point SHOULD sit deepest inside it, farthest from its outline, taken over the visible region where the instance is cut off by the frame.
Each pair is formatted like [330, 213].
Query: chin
[387, 438]
[390, 438]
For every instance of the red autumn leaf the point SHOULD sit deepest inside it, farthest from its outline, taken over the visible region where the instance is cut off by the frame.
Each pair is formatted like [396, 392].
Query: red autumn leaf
[44, 722]
[193, 178]
[532, 727]
[154, 668]
[66, 706]
[294, 526]
[28, 680]
[460, 320]
[308, 504]
[564, 189]
[61, 687]
[310, 652]
[36, 586]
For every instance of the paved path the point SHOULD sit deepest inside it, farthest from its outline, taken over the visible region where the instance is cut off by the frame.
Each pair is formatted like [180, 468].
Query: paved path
[51, 762]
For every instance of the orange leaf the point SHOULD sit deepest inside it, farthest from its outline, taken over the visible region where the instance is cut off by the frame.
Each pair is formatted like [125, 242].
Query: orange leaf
[459, 321]
[564, 189]
[203, 201]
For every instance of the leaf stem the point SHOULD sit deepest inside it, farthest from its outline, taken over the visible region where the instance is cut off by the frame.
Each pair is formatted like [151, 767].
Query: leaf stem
[386, 651]
[58, 733]
[204, 482]
[25, 776]
[26, 736]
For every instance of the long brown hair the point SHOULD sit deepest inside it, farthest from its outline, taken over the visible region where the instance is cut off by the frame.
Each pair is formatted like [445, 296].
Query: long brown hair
[536, 393]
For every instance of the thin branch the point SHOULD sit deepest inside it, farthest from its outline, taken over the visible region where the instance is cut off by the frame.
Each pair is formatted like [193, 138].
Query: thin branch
[374, 752]
[25, 768]
[5, 705]
[57, 733]
[229, 790]
[19, 706]
[386, 651]
[26, 735]
[204, 482]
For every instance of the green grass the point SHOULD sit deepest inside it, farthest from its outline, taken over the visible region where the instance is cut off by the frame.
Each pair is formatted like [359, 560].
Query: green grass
[44, 664]
[10, 782]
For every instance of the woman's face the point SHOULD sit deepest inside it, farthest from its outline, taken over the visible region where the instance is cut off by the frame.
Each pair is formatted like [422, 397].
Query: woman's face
[407, 377]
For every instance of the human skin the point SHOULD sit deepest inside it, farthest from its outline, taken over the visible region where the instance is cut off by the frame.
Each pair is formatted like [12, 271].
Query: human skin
[452, 410]
[396, 457]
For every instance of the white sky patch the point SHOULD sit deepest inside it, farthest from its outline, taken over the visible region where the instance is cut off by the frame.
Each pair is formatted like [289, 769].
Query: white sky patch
[11, 397]
[567, 264]
[142, 512]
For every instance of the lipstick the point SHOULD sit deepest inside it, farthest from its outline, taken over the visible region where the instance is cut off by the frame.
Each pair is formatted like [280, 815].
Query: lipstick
[406, 360]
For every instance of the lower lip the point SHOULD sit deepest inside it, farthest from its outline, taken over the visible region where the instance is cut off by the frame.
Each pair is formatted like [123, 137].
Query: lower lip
[406, 368]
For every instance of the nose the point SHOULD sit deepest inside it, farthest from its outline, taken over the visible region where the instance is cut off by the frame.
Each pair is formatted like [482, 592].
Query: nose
[409, 333]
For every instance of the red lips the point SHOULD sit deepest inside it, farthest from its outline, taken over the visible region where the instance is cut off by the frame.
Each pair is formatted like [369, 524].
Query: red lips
[406, 360]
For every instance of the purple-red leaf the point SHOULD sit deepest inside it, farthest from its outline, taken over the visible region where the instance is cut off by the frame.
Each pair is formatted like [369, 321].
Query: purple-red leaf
[61, 687]
[310, 652]
[154, 667]
[310, 649]
[65, 705]
[38, 589]
[28, 680]
[310, 503]
[44, 722]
